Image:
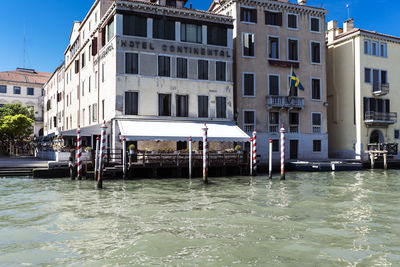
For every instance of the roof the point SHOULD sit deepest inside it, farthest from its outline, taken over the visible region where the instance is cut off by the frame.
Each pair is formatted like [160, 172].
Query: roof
[21, 75]
[214, 3]
[356, 30]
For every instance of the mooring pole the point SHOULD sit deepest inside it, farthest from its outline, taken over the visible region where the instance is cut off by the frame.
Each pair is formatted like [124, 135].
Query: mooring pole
[124, 157]
[96, 158]
[372, 156]
[251, 156]
[205, 154]
[283, 131]
[385, 165]
[79, 152]
[254, 152]
[270, 159]
[190, 157]
[101, 157]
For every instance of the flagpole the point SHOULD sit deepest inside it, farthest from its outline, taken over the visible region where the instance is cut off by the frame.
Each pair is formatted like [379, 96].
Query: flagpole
[290, 78]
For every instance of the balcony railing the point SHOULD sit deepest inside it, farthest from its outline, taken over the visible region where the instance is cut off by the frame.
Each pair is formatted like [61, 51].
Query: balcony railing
[380, 89]
[249, 128]
[316, 129]
[380, 118]
[294, 128]
[274, 128]
[285, 102]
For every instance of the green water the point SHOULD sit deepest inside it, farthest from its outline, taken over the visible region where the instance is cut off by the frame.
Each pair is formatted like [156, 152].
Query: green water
[311, 219]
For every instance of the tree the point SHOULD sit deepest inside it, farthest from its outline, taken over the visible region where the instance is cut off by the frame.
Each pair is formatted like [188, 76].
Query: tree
[15, 109]
[15, 128]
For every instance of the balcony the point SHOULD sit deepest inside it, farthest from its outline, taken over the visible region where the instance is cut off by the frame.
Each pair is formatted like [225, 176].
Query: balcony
[289, 102]
[274, 128]
[373, 118]
[249, 128]
[380, 89]
[293, 128]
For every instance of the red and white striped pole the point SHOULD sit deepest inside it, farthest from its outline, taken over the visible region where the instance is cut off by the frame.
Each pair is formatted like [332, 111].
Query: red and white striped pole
[283, 131]
[205, 154]
[79, 152]
[270, 158]
[254, 152]
[101, 157]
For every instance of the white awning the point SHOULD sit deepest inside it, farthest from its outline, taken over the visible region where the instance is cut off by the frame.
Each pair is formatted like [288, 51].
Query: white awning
[135, 130]
[85, 131]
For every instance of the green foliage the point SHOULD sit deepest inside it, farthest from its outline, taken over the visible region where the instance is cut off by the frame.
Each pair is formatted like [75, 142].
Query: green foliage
[15, 127]
[238, 148]
[132, 147]
[15, 109]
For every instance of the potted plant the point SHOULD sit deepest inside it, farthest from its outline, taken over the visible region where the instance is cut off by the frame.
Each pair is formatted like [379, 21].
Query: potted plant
[131, 149]
[238, 149]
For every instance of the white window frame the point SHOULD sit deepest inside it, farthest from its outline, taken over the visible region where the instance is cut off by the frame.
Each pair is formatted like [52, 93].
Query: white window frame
[247, 22]
[299, 125]
[269, 121]
[274, 11]
[394, 134]
[243, 34]
[312, 125]
[320, 53]
[369, 47]
[319, 20]
[287, 49]
[279, 83]
[254, 82]
[226, 106]
[226, 70]
[316, 152]
[377, 48]
[320, 88]
[370, 75]
[297, 21]
[385, 49]
[255, 118]
[279, 47]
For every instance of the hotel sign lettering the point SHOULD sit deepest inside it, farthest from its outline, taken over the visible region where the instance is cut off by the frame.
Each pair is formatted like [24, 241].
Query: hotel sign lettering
[174, 48]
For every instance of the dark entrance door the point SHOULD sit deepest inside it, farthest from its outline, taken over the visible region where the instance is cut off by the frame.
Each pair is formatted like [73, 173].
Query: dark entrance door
[294, 149]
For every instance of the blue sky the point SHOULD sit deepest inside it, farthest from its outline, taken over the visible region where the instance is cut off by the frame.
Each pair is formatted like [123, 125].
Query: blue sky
[47, 25]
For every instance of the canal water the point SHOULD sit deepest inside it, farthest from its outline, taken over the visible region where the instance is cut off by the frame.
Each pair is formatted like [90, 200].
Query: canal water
[311, 219]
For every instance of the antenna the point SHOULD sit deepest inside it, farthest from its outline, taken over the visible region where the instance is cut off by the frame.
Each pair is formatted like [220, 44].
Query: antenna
[348, 11]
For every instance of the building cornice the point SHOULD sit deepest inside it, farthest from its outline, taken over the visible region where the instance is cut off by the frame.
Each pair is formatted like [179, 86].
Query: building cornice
[360, 32]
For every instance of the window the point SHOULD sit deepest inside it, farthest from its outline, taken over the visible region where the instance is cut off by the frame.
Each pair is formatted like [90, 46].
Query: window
[317, 146]
[102, 109]
[383, 49]
[83, 88]
[376, 105]
[30, 91]
[3, 89]
[384, 77]
[90, 114]
[273, 18]
[375, 51]
[294, 122]
[67, 101]
[293, 53]
[83, 117]
[249, 120]
[90, 83]
[94, 114]
[315, 52]
[367, 75]
[76, 66]
[379, 77]
[203, 106]
[248, 15]
[273, 47]
[17, 90]
[273, 85]
[316, 89]
[396, 134]
[164, 105]
[102, 73]
[131, 63]
[367, 47]
[203, 70]
[292, 21]
[316, 122]
[274, 122]
[83, 60]
[181, 68]
[220, 71]
[182, 106]
[164, 66]
[164, 29]
[110, 30]
[248, 84]
[275, 145]
[171, 3]
[131, 103]
[217, 35]
[191, 33]
[248, 44]
[134, 25]
[314, 24]
[221, 107]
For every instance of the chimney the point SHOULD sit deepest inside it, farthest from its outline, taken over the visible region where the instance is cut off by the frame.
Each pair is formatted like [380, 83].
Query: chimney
[331, 30]
[302, 2]
[348, 25]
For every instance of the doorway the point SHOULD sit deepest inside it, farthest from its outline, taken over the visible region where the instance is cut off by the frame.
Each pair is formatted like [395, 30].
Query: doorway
[294, 149]
[376, 137]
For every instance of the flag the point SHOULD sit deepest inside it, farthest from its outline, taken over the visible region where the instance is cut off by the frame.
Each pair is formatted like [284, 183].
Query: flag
[295, 82]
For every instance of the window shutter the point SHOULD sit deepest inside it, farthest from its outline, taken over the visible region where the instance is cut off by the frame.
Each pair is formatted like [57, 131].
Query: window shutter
[279, 15]
[241, 14]
[254, 16]
[266, 17]
[94, 46]
[387, 105]
[76, 66]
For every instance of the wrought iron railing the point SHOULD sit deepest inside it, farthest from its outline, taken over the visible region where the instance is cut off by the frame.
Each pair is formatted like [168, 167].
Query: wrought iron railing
[380, 117]
[249, 127]
[380, 89]
[274, 128]
[285, 102]
[294, 128]
[391, 148]
[316, 129]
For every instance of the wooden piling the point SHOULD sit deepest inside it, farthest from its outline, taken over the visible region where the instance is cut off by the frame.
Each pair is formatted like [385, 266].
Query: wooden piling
[205, 154]
[190, 157]
[372, 156]
[124, 157]
[283, 131]
[101, 157]
[270, 159]
[385, 165]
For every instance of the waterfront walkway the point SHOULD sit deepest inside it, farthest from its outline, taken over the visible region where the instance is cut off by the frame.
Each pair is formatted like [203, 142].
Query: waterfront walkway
[22, 162]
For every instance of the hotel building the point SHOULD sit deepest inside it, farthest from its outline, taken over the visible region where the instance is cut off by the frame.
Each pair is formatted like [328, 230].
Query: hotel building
[272, 38]
[24, 86]
[153, 70]
[363, 97]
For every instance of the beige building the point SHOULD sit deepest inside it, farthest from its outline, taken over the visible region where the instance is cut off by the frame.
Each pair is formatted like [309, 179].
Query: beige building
[271, 38]
[130, 62]
[24, 86]
[363, 76]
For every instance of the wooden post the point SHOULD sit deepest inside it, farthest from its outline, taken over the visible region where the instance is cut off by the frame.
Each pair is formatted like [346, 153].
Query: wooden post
[190, 157]
[283, 175]
[101, 157]
[96, 159]
[251, 157]
[270, 158]
[124, 157]
[254, 152]
[372, 156]
[385, 165]
[79, 152]
[205, 154]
